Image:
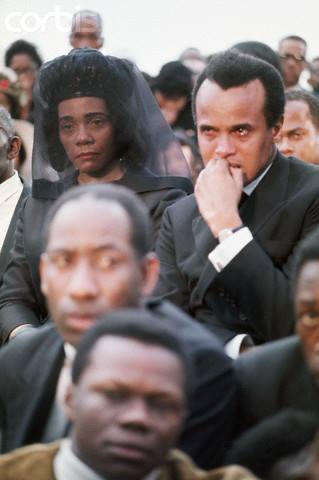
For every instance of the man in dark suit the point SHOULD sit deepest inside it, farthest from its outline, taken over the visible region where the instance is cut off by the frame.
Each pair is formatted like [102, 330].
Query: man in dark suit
[97, 258]
[278, 382]
[285, 373]
[127, 411]
[12, 190]
[226, 252]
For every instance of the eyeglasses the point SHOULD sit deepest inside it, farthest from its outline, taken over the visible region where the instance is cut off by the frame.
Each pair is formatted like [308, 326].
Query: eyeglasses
[290, 56]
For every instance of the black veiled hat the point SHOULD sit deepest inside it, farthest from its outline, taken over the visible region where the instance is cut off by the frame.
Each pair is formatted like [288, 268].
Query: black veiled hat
[84, 73]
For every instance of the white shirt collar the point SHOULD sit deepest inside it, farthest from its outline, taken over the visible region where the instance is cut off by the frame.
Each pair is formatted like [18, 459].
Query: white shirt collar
[248, 189]
[67, 466]
[9, 187]
[69, 351]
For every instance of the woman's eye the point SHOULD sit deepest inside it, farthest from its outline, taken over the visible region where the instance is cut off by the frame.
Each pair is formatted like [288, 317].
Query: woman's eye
[67, 127]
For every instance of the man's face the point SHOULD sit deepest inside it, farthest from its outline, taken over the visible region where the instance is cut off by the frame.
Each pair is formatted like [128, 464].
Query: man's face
[307, 312]
[89, 266]
[231, 125]
[86, 32]
[292, 58]
[299, 136]
[127, 409]
[9, 150]
[313, 80]
[170, 107]
[26, 70]
[4, 150]
[86, 133]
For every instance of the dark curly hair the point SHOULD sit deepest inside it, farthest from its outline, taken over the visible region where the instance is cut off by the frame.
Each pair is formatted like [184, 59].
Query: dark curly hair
[22, 46]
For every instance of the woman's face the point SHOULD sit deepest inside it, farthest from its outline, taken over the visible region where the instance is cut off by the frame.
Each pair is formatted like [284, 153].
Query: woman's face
[86, 133]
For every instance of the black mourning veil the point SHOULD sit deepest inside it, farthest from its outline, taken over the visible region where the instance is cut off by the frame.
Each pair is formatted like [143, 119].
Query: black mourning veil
[144, 142]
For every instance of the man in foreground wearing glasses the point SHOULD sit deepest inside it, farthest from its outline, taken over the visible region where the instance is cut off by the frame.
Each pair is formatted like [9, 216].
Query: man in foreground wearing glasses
[292, 51]
[12, 191]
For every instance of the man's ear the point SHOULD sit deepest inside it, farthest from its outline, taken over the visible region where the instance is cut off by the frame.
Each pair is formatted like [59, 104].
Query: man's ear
[101, 42]
[68, 402]
[14, 147]
[276, 129]
[150, 271]
[43, 268]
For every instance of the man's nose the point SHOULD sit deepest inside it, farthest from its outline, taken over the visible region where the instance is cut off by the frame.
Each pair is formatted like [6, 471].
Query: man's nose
[225, 146]
[285, 146]
[82, 283]
[136, 415]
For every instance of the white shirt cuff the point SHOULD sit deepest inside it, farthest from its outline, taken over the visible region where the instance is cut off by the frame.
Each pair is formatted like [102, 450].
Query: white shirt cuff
[232, 348]
[224, 253]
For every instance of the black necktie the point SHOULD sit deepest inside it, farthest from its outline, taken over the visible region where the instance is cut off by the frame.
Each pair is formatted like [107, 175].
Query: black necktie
[243, 199]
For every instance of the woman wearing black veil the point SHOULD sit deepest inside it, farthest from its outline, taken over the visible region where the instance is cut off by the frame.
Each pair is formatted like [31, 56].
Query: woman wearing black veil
[95, 121]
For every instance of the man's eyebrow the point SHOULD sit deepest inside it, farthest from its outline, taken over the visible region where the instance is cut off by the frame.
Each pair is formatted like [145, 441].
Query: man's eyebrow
[96, 249]
[296, 129]
[241, 125]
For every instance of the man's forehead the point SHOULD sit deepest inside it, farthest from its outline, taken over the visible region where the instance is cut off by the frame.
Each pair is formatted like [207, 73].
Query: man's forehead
[90, 216]
[210, 94]
[110, 352]
[291, 44]
[86, 24]
[297, 108]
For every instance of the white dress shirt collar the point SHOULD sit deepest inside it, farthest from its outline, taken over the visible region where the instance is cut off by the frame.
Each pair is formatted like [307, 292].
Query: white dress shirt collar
[248, 189]
[9, 187]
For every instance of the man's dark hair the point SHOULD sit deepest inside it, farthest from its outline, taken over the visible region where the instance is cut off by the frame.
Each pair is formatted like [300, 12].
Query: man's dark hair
[309, 99]
[22, 46]
[259, 50]
[295, 38]
[136, 324]
[233, 69]
[307, 251]
[138, 215]
[174, 80]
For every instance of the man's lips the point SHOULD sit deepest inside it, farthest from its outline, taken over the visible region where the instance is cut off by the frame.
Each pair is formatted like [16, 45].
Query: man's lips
[80, 322]
[128, 451]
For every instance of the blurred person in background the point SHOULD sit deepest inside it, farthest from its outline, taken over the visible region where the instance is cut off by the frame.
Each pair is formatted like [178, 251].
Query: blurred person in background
[12, 190]
[313, 79]
[9, 99]
[86, 30]
[193, 59]
[299, 136]
[259, 50]
[292, 51]
[172, 89]
[23, 58]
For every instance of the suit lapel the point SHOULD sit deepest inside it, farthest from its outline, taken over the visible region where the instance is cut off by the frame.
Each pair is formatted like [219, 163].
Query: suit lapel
[40, 388]
[267, 199]
[8, 241]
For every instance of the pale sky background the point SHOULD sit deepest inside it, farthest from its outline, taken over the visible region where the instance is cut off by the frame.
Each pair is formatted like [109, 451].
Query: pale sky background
[154, 32]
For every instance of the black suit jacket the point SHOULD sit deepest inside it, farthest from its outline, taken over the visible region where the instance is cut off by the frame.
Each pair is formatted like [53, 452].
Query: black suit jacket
[21, 300]
[9, 238]
[275, 377]
[252, 293]
[31, 363]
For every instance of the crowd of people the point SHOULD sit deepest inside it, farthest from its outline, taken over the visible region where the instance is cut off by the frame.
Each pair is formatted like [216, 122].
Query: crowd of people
[159, 264]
